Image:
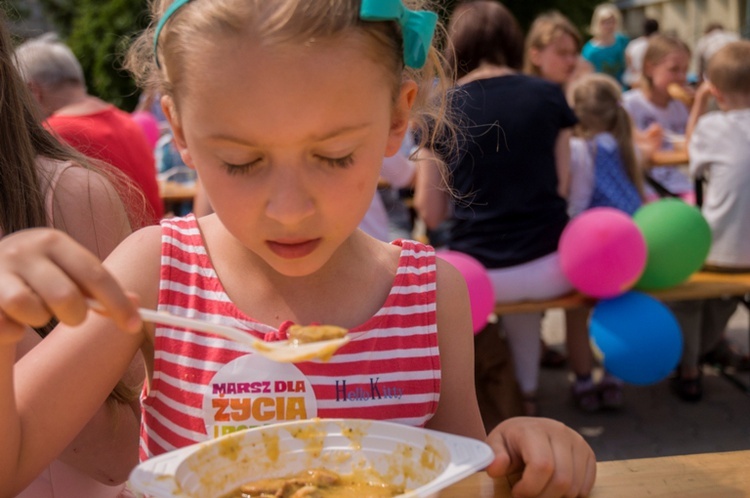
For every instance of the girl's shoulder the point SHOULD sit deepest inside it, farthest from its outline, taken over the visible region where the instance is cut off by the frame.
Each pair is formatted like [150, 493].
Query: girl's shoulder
[633, 95]
[136, 264]
[621, 40]
[413, 253]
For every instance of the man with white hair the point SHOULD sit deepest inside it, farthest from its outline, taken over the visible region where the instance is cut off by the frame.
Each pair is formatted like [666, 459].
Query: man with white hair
[94, 127]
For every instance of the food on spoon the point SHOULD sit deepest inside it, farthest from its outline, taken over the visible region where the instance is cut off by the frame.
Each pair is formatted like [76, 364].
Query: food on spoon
[303, 334]
[301, 342]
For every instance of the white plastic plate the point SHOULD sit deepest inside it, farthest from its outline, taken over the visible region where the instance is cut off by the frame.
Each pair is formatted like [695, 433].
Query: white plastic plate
[422, 460]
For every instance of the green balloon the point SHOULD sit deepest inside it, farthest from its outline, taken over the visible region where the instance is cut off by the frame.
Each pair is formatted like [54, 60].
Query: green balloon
[678, 239]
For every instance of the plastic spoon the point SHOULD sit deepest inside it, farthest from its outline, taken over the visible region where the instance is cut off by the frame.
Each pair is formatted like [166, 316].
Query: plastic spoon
[280, 351]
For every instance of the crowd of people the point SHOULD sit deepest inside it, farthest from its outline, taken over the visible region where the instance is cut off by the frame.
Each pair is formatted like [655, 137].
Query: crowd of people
[501, 139]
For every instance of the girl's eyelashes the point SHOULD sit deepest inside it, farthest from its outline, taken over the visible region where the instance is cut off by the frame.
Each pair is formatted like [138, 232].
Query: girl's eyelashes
[338, 162]
[238, 169]
[334, 162]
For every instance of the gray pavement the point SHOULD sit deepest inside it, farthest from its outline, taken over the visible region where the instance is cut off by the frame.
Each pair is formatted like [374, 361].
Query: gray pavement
[654, 422]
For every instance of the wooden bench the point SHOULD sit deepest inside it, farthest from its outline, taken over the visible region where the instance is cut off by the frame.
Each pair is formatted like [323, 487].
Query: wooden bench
[701, 285]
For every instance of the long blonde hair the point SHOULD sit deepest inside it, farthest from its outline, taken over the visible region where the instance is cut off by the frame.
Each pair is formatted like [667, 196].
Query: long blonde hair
[543, 31]
[604, 11]
[284, 22]
[596, 101]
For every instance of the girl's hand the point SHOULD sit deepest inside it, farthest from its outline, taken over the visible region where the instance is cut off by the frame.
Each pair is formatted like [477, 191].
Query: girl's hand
[45, 273]
[554, 461]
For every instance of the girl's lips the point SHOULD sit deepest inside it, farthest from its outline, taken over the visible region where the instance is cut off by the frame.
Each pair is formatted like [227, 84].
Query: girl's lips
[293, 250]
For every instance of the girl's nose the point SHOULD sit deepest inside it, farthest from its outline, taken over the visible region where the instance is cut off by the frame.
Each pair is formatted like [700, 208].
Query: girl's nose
[289, 201]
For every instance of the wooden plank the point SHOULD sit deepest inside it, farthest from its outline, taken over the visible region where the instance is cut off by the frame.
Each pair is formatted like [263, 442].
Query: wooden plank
[701, 285]
[707, 475]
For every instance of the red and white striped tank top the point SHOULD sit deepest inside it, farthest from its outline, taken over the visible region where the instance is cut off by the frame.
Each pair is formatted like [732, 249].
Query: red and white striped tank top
[205, 386]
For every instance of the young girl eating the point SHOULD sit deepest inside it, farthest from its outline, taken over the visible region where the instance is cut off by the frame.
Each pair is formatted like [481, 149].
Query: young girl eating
[652, 107]
[286, 110]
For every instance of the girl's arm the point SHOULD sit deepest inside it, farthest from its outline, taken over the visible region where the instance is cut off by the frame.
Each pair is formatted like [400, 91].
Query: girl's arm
[581, 177]
[700, 107]
[107, 448]
[430, 196]
[562, 161]
[553, 460]
[88, 208]
[458, 411]
[58, 387]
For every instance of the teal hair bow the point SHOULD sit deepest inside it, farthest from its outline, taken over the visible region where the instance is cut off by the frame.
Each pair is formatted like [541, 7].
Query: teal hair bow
[417, 26]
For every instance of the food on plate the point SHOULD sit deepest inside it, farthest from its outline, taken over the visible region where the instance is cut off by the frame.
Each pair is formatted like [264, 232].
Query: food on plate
[318, 483]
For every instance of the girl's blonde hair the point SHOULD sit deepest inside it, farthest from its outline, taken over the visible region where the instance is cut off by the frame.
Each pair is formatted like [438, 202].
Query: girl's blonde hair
[283, 22]
[660, 46]
[596, 101]
[545, 29]
[604, 11]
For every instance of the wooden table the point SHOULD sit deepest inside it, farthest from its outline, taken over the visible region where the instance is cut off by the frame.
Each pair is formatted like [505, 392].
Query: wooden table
[677, 157]
[700, 285]
[707, 475]
[176, 192]
[173, 194]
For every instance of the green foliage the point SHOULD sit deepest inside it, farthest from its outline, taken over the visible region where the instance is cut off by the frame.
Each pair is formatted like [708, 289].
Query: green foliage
[61, 13]
[14, 10]
[99, 33]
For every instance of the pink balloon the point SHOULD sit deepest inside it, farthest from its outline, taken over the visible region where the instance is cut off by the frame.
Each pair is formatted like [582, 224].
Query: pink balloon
[149, 125]
[481, 292]
[602, 252]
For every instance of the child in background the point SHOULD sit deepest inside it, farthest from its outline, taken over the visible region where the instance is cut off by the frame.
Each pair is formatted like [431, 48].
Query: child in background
[719, 146]
[606, 49]
[267, 102]
[651, 106]
[603, 173]
[552, 49]
[604, 169]
[45, 183]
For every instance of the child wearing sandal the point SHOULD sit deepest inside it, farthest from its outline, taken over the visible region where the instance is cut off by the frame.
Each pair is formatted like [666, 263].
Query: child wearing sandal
[604, 172]
[719, 146]
[286, 110]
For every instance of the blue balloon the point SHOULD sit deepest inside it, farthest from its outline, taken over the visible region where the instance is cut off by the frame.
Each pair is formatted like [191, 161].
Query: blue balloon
[638, 338]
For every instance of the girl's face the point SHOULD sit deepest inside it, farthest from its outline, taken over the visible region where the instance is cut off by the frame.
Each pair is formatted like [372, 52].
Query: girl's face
[607, 26]
[557, 61]
[288, 142]
[670, 69]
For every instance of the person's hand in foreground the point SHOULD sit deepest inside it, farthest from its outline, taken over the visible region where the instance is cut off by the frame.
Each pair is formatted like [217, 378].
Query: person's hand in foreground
[45, 273]
[553, 460]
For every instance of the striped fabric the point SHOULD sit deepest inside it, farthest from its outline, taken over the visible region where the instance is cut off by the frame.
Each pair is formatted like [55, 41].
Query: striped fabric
[205, 386]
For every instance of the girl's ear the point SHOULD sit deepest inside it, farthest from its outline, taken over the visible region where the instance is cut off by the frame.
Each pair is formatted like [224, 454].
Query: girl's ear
[534, 56]
[647, 68]
[715, 92]
[167, 106]
[400, 116]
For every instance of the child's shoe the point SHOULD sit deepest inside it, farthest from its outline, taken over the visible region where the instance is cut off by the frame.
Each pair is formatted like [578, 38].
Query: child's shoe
[586, 395]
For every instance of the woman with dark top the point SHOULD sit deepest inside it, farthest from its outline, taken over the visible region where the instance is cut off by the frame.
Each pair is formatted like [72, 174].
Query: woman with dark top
[506, 177]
